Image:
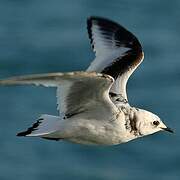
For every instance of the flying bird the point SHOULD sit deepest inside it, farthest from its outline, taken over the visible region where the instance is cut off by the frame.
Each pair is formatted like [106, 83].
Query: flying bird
[93, 105]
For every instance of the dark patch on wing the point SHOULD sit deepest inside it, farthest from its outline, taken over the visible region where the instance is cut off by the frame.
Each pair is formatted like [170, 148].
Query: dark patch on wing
[75, 103]
[110, 30]
[85, 95]
[31, 129]
[119, 38]
[123, 64]
[113, 94]
[116, 98]
[68, 115]
[89, 25]
[54, 139]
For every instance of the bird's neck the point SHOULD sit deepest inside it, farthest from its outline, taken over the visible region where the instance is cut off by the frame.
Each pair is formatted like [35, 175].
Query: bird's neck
[131, 121]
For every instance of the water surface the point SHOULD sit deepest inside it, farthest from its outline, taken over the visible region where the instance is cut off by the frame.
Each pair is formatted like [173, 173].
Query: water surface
[49, 36]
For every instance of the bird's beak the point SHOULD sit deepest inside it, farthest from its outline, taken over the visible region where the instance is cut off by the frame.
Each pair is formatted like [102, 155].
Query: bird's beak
[168, 129]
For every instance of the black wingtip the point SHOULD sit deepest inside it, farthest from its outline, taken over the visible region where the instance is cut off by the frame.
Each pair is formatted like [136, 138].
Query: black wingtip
[121, 38]
[102, 21]
[97, 19]
[89, 25]
[24, 133]
[123, 35]
[31, 129]
[54, 139]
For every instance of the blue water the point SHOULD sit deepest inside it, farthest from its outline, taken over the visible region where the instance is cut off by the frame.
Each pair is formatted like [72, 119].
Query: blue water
[46, 36]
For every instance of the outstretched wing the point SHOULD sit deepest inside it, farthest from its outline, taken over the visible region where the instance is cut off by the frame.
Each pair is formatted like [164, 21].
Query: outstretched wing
[118, 52]
[78, 92]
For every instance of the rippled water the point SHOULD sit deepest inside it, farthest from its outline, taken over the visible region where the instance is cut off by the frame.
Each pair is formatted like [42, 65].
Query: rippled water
[48, 36]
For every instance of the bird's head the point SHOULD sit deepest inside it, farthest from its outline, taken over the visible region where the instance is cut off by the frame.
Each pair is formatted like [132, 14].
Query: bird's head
[149, 123]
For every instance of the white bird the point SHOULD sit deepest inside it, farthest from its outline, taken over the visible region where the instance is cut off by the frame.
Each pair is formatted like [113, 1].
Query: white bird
[93, 105]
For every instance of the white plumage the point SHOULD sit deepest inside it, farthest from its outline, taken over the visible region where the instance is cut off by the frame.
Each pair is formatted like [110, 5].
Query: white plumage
[93, 105]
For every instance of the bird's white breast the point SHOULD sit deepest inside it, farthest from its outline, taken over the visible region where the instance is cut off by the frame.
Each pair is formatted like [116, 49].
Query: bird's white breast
[97, 132]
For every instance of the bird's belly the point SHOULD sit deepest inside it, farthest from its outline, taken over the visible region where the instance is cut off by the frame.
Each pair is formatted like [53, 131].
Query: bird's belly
[96, 133]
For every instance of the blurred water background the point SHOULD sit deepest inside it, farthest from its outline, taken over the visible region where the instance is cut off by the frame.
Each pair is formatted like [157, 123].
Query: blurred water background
[41, 36]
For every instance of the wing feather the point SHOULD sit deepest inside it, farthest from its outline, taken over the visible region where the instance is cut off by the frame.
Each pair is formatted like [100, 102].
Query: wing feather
[77, 92]
[118, 52]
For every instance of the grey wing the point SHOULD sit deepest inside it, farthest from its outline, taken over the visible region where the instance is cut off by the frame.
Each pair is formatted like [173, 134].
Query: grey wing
[77, 92]
[87, 94]
[118, 52]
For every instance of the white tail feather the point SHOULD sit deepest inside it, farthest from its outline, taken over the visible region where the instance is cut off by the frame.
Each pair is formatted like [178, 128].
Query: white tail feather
[46, 124]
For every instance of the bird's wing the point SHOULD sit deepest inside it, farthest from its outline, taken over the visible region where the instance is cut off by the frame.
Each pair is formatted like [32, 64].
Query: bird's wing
[77, 92]
[118, 52]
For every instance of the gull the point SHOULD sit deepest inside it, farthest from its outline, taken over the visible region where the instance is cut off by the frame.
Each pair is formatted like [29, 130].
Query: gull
[93, 105]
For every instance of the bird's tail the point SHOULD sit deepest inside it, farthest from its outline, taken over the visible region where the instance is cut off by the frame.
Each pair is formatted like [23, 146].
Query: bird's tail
[44, 127]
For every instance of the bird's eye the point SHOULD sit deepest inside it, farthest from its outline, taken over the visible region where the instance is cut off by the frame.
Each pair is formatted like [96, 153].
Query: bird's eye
[156, 123]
